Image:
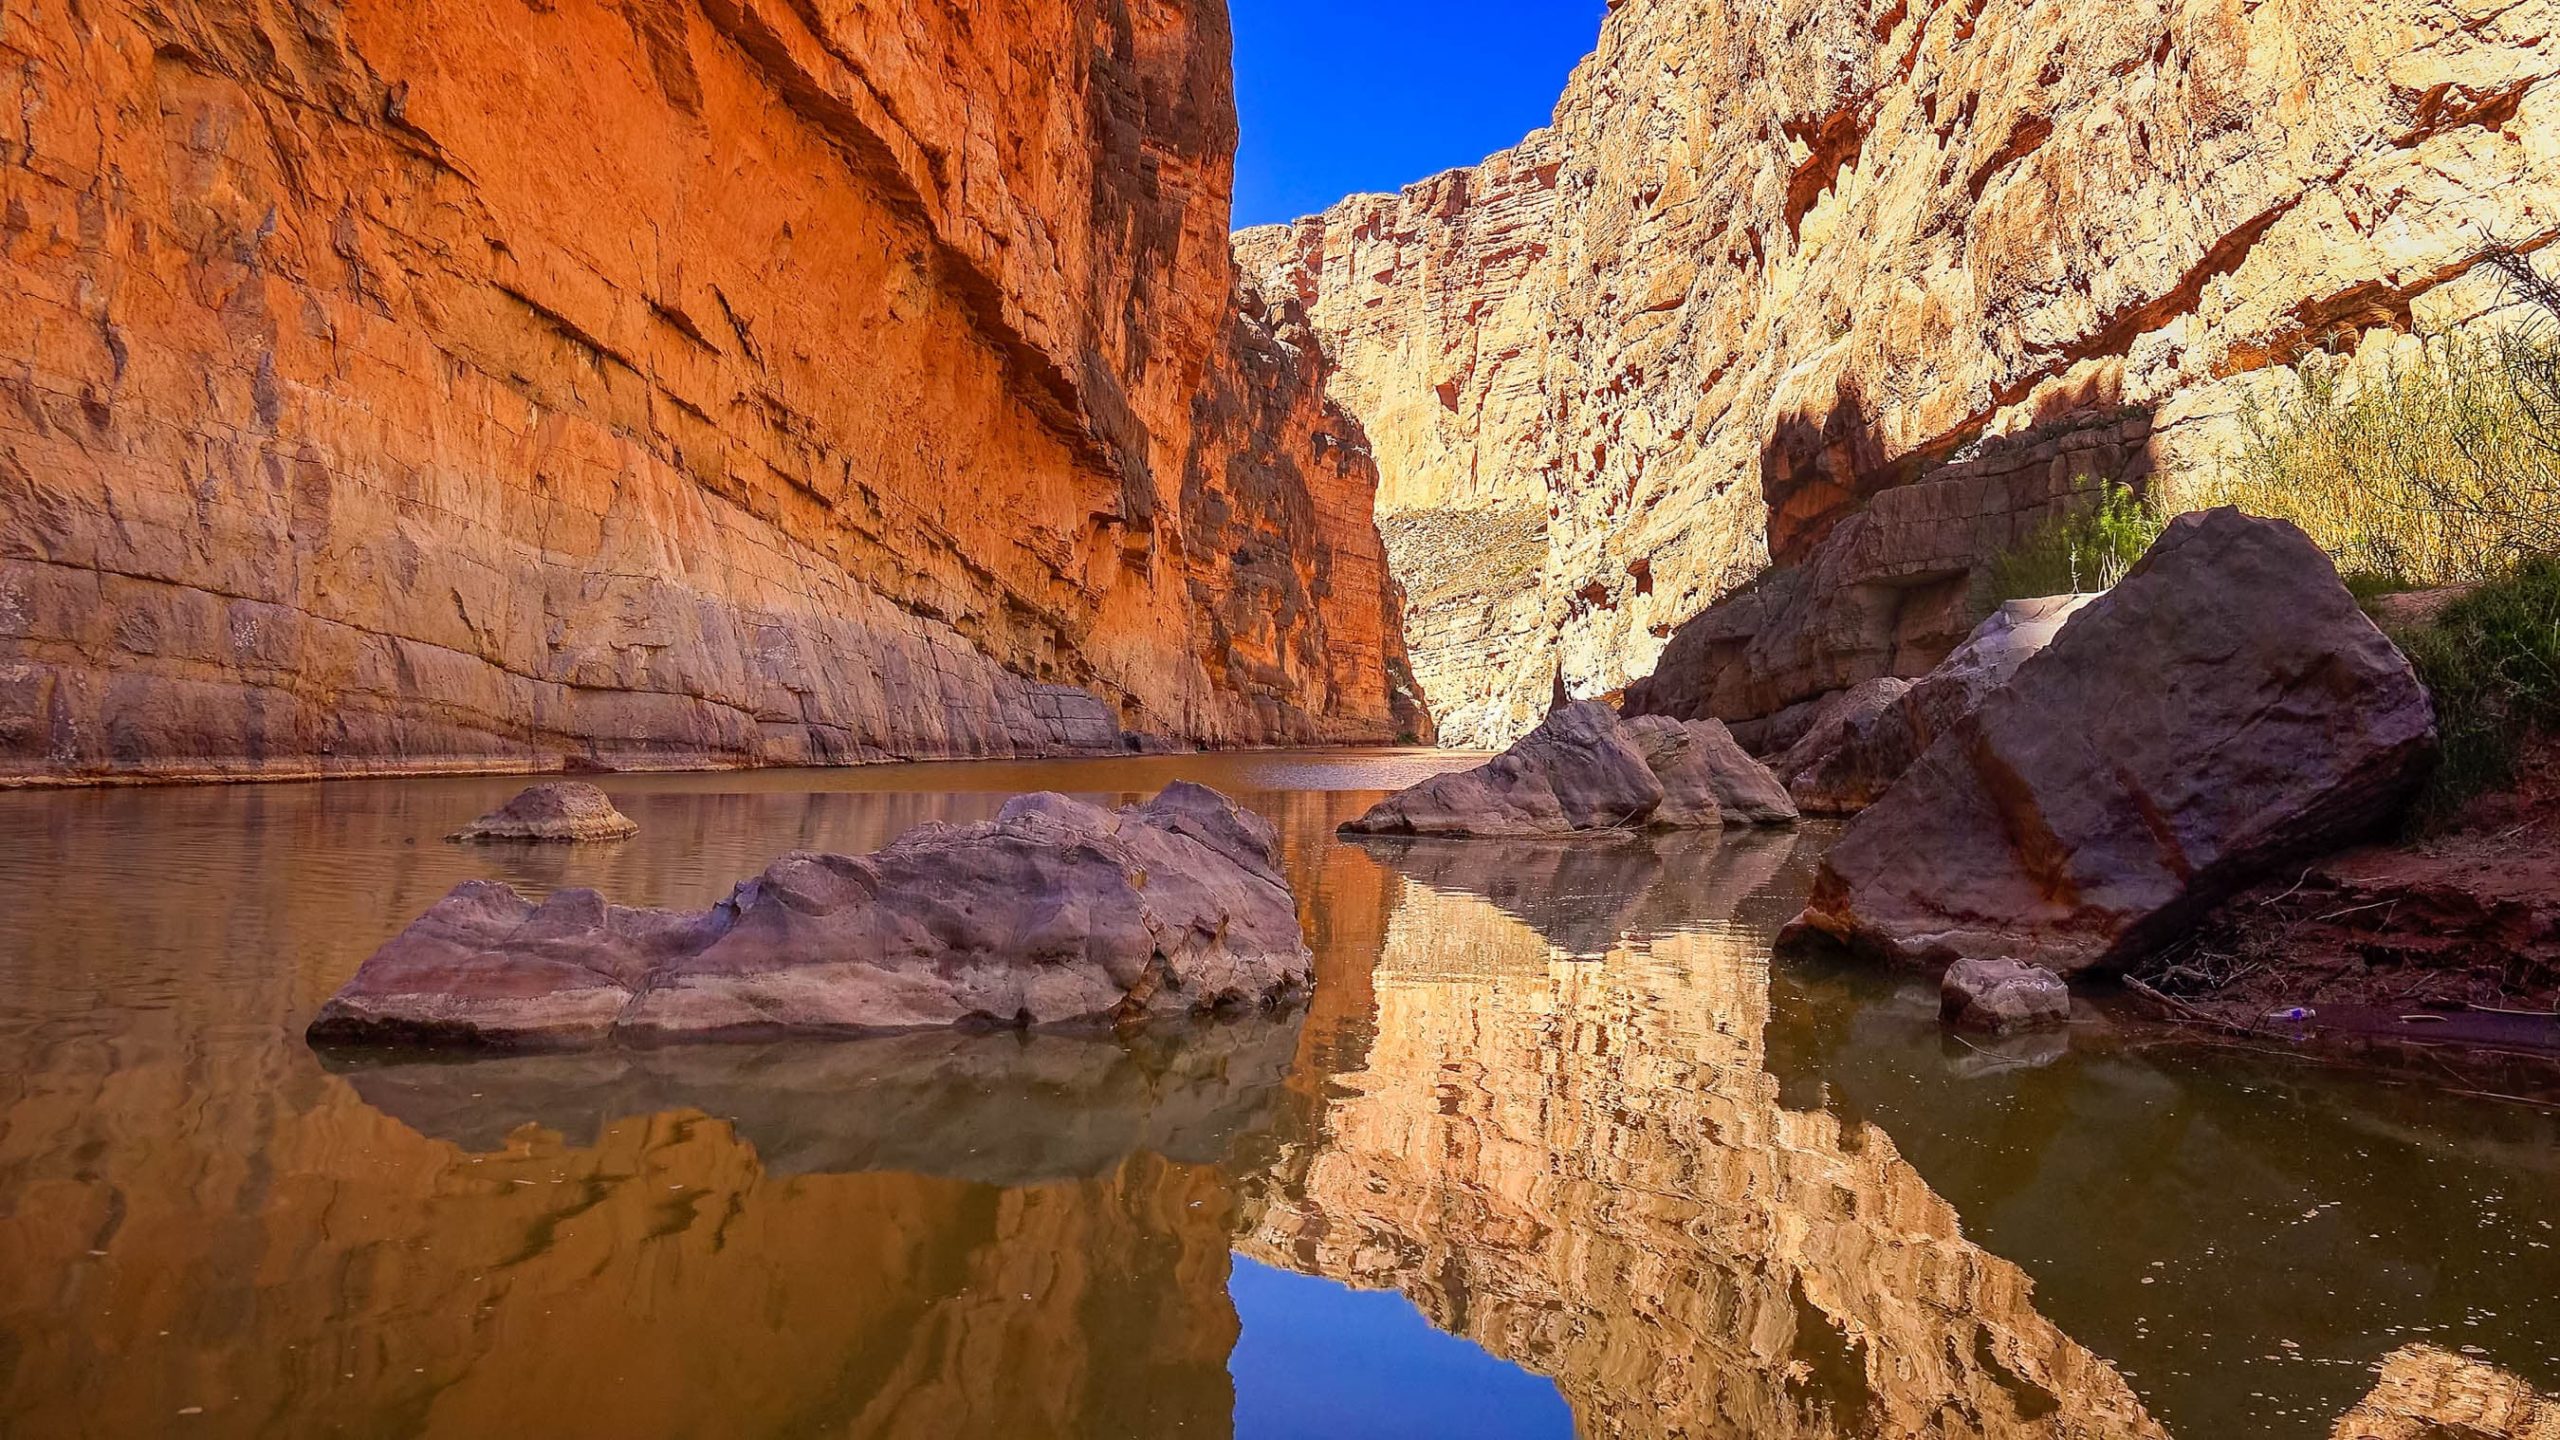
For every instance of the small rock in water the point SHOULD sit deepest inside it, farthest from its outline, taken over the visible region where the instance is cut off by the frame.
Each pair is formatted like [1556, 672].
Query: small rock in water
[560, 812]
[2002, 996]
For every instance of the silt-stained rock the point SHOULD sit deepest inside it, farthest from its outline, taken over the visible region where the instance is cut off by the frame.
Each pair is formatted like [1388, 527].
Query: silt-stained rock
[2224, 709]
[2002, 996]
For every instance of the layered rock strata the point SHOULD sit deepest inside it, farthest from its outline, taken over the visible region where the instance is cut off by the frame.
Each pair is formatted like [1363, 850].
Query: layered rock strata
[1053, 912]
[468, 385]
[1943, 265]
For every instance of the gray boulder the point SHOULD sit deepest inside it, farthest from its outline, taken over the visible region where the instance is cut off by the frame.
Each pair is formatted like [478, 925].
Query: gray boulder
[2223, 711]
[561, 812]
[1054, 912]
[1835, 717]
[2000, 997]
[1873, 750]
[1579, 770]
[1700, 762]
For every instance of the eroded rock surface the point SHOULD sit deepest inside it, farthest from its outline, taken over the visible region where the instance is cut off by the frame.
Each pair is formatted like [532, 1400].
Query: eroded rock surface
[1775, 264]
[2224, 709]
[1701, 765]
[1056, 911]
[562, 812]
[468, 385]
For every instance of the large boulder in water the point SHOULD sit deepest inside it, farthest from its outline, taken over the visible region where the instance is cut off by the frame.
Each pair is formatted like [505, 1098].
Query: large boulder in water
[1054, 912]
[1586, 770]
[2224, 710]
[1875, 747]
[1579, 770]
[1703, 770]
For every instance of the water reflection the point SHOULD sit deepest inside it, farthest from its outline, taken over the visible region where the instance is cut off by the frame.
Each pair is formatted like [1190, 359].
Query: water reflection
[1552, 1095]
[999, 1110]
[1584, 1167]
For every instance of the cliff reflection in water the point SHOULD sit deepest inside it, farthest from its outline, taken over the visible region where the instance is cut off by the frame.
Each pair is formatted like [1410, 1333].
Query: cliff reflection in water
[1579, 1164]
[1584, 1167]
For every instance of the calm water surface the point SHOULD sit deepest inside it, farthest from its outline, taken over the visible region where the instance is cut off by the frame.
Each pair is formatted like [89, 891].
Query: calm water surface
[1555, 1150]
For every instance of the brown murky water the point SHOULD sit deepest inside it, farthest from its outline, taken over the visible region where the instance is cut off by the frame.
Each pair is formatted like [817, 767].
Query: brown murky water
[1555, 1149]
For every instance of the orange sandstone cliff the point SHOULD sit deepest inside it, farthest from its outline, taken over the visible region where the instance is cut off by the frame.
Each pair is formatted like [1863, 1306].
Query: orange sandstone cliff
[1868, 290]
[467, 384]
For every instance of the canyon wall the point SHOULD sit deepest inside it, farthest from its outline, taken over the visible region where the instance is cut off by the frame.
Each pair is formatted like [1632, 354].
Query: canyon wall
[1773, 261]
[468, 384]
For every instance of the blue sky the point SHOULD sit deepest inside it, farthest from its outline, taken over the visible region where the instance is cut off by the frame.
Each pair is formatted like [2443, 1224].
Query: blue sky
[1341, 96]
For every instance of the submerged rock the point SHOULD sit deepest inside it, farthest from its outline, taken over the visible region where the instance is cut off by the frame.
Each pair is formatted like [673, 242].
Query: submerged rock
[2000, 997]
[562, 812]
[1875, 748]
[2225, 709]
[1585, 769]
[1053, 912]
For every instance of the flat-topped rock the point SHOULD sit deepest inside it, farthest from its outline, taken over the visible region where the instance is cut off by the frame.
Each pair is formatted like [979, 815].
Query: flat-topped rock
[558, 813]
[1053, 913]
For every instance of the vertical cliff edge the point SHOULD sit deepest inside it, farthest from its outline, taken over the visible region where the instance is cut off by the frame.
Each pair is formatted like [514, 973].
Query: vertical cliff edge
[1865, 292]
[469, 384]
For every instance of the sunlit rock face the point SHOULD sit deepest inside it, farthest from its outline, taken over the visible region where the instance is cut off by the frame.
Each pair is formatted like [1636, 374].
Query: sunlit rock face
[689, 382]
[1584, 1167]
[2425, 1393]
[1772, 260]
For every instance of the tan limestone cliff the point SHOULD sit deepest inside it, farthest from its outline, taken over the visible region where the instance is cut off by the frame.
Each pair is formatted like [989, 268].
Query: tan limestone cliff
[469, 384]
[1772, 260]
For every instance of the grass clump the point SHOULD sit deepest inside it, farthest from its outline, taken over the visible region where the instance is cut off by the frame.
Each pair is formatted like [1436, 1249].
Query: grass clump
[2492, 662]
[2086, 550]
[2441, 469]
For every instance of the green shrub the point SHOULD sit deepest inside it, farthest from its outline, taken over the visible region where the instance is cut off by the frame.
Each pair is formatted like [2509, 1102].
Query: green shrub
[2442, 468]
[2492, 661]
[2087, 550]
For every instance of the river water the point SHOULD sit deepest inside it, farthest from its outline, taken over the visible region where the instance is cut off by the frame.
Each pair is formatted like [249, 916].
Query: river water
[1556, 1149]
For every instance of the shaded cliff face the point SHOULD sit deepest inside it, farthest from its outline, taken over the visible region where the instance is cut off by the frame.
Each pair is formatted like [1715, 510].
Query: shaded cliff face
[1771, 261]
[1644, 1222]
[675, 382]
